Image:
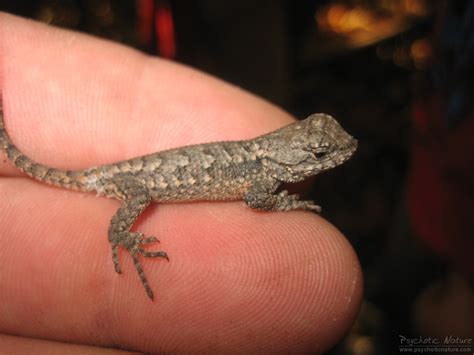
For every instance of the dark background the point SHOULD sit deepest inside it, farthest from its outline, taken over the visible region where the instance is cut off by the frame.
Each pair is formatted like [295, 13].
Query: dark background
[364, 62]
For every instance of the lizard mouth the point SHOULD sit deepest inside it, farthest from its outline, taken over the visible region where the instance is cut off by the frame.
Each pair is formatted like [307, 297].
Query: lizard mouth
[352, 146]
[347, 150]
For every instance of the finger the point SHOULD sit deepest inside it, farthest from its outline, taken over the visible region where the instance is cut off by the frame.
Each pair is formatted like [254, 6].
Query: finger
[237, 279]
[19, 345]
[77, 101]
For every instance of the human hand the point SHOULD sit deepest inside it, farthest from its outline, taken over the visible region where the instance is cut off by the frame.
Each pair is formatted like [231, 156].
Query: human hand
[238, 280]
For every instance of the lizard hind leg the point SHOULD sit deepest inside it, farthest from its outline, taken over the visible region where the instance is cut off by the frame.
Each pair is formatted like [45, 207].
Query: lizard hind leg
[119, 234]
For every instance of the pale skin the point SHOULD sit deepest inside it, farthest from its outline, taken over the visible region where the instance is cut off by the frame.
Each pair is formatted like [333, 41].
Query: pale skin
[289, 279]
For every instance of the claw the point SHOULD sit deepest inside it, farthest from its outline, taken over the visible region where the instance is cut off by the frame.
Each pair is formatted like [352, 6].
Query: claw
[149, 240]
[143, 278]
[315, 208]
[153, 254]
[115, 258]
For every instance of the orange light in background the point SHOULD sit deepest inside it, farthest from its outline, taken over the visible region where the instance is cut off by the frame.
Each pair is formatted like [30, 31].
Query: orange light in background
[335, 15]
[355, 20]
[415, 7]
[420, 51]
[340, 19]
[358, 26]
[363, 345]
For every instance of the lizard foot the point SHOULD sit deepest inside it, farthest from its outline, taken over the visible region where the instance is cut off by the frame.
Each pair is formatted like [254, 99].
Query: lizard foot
[311, 206]
[295, 201]
[134, 242]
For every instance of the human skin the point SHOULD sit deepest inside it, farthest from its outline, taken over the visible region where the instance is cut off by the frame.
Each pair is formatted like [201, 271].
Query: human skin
[238, 280]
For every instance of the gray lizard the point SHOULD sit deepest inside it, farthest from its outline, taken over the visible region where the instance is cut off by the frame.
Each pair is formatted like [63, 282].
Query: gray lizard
[251, 170]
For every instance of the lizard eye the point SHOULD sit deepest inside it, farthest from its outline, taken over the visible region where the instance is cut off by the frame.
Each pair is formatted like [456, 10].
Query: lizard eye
[320, 155]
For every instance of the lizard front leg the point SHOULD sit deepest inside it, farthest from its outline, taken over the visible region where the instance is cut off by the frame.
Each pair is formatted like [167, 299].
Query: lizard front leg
[263, 200]
[119, 234]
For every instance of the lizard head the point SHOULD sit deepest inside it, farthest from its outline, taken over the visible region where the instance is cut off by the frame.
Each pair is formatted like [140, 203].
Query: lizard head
[308, 147]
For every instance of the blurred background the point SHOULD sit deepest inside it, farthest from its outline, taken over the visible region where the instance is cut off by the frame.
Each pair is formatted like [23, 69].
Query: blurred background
[398, 75]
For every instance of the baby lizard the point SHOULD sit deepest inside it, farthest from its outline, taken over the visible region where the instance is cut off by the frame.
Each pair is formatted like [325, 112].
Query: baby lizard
[249, 170]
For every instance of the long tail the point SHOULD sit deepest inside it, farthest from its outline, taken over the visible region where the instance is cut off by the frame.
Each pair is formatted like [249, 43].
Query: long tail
[74, 180]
